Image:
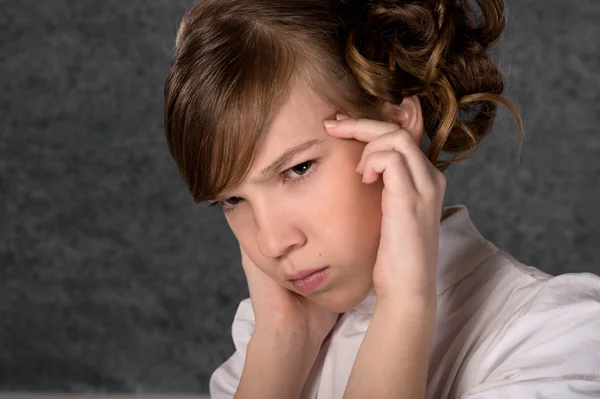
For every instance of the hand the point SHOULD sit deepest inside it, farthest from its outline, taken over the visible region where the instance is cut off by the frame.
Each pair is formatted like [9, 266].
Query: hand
[412, 200]
[277, 308]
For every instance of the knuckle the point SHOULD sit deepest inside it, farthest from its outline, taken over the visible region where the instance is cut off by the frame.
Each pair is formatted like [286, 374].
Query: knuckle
[399, 135]
[396, 158]
[441, 179]
[434, 187]
[402, 140]
[429, 189]
[368, 157]
[396, 127]
[401, 132]
[443, 182]
[370, 147]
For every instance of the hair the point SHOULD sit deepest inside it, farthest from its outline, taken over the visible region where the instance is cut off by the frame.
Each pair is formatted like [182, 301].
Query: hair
[236, 62]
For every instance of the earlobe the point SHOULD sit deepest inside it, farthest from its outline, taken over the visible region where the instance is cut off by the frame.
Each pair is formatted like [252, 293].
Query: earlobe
[408, 115]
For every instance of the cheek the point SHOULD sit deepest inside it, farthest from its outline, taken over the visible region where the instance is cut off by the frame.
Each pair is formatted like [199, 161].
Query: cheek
[246, 238]
[357, 213]
[245, 234]
[349, 216]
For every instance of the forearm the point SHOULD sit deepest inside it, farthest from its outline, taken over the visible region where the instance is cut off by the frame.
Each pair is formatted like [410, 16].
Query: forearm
[394, 356]
[277, 365]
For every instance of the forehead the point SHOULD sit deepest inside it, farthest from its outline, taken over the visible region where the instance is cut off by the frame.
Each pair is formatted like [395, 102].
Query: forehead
[299, 118]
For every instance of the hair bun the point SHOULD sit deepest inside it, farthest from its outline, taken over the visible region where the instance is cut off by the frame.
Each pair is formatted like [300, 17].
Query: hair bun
[436, 50]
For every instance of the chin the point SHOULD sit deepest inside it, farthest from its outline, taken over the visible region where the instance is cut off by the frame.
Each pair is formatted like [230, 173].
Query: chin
[342, 300]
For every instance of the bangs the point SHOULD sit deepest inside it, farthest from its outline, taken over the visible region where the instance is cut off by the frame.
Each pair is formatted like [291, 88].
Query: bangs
[228, 79]
[230, 92]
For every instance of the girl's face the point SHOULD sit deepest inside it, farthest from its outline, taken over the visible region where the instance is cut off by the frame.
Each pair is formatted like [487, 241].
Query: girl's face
[311, 210]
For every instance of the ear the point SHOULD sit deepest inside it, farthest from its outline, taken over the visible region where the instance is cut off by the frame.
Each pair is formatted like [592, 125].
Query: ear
[408, 115]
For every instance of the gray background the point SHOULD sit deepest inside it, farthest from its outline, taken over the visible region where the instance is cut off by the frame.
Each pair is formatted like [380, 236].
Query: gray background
[111, 280]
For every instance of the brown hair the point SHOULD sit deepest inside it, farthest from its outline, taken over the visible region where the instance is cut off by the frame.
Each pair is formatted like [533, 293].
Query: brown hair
[236, 60]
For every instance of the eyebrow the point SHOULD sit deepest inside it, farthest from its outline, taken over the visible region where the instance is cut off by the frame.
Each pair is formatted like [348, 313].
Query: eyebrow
[283, 160]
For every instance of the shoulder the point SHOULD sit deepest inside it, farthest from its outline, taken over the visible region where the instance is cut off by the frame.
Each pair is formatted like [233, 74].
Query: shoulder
[517, 290]
[547, 292]
[554, 309]
[243, 324]
[225, 379]
[244, 310]
[563, 307]
[550, 344]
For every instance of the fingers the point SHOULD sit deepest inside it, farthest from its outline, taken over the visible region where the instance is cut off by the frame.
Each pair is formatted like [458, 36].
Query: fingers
[401, 142]
[245, 259]
[250, 269]
[399, 151]
[360, 129]
[396, 176]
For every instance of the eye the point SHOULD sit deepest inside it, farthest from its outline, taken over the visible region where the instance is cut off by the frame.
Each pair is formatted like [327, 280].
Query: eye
[233, 200]
[229, 203]
[300, 169]
[298, 173]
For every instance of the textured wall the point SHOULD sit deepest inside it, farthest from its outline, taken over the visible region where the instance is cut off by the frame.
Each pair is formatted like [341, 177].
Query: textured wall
[111, 280]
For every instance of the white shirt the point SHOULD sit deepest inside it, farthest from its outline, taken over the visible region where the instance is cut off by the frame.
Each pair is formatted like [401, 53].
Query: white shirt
[503, 329]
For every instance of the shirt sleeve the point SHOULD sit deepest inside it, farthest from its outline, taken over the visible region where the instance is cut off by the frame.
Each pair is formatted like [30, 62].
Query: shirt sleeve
[225, 380]
[551, 348]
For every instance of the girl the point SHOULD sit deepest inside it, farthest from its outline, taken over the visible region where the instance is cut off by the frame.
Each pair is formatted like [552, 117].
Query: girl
[303, 119]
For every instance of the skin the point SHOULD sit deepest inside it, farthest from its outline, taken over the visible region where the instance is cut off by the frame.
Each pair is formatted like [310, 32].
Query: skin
[375, 225]
[286, 225]
[393, 358]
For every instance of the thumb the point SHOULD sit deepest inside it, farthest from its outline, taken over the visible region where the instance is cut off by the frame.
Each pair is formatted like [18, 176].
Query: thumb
[254, 275]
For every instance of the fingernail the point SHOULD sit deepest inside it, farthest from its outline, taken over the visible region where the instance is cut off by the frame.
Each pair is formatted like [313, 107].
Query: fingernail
[329, 123]
[341, 117]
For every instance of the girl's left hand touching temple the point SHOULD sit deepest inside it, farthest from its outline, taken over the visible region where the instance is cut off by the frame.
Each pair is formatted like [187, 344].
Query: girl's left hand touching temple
[393, 358]
[412, 202]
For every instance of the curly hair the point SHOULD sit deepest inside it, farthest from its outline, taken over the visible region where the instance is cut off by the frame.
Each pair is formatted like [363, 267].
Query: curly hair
[235, 62]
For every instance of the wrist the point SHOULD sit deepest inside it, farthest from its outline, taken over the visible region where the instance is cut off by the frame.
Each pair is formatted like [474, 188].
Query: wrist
[288, 339]
[277, 364]
[403, 309]
[393, 358]
[288, 331]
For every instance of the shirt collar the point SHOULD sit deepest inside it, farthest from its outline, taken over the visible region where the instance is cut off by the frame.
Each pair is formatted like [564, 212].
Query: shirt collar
[461, 249]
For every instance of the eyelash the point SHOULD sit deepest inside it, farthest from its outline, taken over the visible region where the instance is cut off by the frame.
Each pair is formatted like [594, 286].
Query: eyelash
[311, 168]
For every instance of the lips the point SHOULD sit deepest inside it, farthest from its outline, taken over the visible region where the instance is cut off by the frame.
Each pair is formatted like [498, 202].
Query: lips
[302, 274]
[311, 282]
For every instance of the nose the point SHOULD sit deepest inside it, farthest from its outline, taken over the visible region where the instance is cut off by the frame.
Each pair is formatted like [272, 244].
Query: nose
[278, 234]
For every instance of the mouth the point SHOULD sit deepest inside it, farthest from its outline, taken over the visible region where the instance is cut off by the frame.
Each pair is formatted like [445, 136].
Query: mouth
[309, 280]
[302, 274]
